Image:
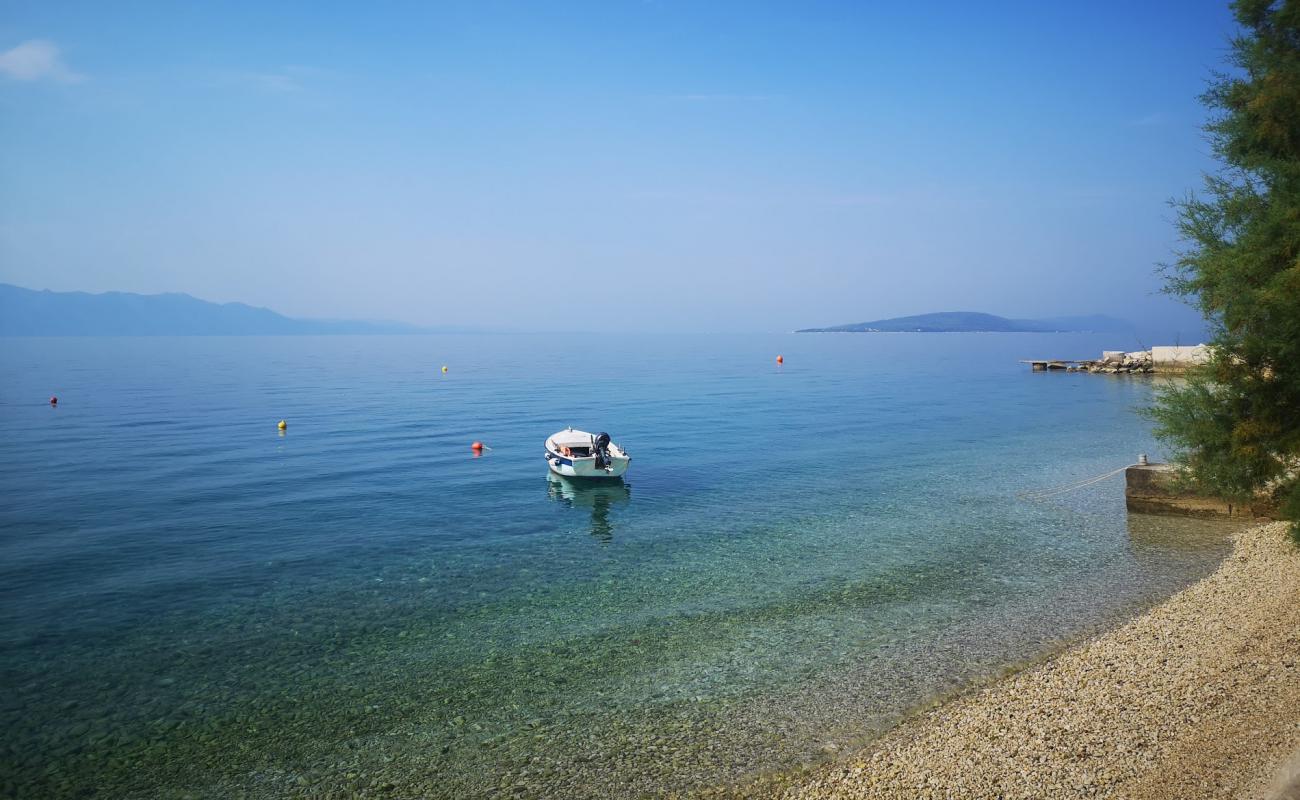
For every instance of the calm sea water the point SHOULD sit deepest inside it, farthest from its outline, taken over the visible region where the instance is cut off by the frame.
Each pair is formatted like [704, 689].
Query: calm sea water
[192, 604]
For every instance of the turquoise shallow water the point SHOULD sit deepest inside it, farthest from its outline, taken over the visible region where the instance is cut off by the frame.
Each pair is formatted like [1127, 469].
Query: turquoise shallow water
[192, 604]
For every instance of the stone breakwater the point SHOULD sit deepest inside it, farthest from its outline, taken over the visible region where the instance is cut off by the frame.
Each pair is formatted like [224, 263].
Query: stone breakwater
[1175, 359]
[1198, 697]
[1117, 362]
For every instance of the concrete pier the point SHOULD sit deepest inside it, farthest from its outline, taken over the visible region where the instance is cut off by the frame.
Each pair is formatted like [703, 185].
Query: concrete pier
[1155, 489]
[1044, 364]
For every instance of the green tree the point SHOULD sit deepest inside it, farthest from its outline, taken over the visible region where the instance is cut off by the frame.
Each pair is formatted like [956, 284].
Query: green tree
[1236, 423]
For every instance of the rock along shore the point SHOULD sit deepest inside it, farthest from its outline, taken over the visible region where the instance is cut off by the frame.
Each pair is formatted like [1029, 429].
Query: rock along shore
[1197, 698]
[1174, 359]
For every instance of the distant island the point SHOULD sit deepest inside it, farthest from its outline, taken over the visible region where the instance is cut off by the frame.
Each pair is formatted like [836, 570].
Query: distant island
[977, 322]
[27, 312]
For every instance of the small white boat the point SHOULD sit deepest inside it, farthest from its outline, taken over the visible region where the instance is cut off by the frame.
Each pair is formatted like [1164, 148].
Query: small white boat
[578, 454]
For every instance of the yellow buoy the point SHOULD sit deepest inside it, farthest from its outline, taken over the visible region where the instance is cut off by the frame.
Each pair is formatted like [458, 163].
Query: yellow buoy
[444, 370]
[282, 425]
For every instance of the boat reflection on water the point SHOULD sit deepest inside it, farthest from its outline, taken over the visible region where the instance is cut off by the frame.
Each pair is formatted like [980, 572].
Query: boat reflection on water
[599, 496]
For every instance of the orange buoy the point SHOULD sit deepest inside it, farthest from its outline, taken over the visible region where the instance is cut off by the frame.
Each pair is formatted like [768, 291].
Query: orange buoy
[476, 447]
[780, 359]
[54, 401]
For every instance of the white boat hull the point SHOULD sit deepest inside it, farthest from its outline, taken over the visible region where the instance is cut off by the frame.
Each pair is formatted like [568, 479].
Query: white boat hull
[586, 467]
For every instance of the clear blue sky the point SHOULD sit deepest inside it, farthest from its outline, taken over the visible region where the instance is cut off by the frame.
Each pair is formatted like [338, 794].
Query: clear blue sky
[709, 166]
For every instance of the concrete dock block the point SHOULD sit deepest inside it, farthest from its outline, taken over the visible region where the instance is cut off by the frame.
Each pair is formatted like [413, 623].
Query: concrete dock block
[1156, 489]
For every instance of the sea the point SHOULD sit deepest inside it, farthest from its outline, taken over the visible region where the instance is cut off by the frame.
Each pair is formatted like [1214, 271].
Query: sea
[194, 603]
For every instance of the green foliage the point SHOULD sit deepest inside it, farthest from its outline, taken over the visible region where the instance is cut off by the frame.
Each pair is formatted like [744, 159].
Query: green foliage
[1236, 422]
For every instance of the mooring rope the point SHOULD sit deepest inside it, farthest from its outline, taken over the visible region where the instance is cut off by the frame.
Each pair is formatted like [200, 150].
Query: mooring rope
[1039, 494]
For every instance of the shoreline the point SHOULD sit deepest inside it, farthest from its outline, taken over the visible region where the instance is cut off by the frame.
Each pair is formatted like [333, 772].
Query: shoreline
[1195, 697]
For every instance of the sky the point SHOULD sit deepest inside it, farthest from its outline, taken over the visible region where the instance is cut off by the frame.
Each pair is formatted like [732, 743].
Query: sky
[653, 165]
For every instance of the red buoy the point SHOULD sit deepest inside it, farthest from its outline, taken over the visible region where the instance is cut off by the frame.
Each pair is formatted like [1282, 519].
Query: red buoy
[780, 359]
[54, 401]
[477, 446]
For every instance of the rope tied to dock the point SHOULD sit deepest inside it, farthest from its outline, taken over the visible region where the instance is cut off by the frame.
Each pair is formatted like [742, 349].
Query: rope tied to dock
[1040, 494]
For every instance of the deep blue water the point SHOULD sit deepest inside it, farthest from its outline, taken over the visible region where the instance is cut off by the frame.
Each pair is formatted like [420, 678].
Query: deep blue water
[193, 604]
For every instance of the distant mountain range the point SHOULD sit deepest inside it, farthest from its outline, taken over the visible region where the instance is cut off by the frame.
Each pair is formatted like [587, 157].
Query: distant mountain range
[26, 312]
[977, 322]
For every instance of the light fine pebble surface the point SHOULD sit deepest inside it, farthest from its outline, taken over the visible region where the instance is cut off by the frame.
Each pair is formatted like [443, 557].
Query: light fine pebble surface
[1199, 697]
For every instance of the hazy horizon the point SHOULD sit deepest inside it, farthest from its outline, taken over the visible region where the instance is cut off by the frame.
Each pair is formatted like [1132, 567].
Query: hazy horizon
[653, 165]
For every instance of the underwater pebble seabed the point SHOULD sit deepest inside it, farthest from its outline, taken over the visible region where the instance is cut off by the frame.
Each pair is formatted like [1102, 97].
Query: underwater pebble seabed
[193, 605]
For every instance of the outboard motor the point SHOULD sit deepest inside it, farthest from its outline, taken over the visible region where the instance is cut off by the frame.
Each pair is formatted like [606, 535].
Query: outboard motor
[600, 449]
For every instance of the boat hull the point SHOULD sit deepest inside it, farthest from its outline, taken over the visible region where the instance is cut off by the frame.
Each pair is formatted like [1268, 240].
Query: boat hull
[586, 467]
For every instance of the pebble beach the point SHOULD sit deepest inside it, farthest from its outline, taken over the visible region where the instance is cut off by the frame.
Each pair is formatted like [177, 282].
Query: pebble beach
[1198, 697]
